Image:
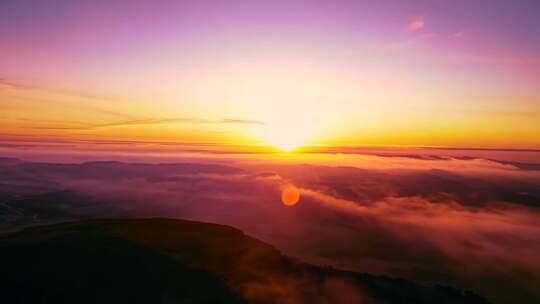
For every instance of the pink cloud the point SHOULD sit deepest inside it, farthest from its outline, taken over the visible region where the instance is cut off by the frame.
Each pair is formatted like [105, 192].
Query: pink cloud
[416, 24]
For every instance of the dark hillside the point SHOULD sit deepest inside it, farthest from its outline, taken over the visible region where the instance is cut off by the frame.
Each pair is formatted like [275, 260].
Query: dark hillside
[177, 261]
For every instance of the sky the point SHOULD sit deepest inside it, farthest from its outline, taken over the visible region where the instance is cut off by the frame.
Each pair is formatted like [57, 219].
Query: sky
[277, 73]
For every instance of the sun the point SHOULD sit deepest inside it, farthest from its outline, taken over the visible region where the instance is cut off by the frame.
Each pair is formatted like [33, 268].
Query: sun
[285, 140]
[290, 113]
[285, 145]
[287, 137]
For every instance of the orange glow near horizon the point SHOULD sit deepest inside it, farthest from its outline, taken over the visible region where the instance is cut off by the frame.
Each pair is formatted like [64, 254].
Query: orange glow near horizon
[286, 120]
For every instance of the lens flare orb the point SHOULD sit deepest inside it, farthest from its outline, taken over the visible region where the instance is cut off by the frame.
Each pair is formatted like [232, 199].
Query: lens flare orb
[290, 196]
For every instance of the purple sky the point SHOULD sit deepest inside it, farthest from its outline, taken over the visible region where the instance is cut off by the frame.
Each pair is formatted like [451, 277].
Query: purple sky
[43, 38]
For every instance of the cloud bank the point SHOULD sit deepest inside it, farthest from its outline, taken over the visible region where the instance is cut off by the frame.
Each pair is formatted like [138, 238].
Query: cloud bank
[469, 223]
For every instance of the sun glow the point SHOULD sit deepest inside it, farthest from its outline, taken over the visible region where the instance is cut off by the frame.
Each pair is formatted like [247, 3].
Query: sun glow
[290, 126]
[287, 137]
[285, 146]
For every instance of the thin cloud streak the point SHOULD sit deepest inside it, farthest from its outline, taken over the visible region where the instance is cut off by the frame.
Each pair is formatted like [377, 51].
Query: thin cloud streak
[145, 122]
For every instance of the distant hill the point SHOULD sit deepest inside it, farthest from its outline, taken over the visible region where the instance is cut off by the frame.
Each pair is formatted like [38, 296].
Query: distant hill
[178, 261]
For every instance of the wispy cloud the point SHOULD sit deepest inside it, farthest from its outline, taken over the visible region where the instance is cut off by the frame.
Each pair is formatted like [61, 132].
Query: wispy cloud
[61, 98]
[8, 83]
[159, 121]
[124, 119]
[143, 122]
